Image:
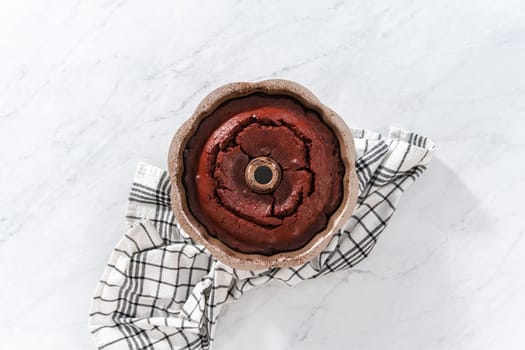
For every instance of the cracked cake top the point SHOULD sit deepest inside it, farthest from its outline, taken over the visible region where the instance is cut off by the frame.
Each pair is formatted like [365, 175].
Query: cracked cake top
[280, 203]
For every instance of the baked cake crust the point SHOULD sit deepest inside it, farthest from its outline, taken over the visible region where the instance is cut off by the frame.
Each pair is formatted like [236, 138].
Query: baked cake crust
[260, 125]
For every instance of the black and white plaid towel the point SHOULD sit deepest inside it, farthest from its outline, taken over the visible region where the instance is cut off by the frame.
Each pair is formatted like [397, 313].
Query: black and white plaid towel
[160, 290]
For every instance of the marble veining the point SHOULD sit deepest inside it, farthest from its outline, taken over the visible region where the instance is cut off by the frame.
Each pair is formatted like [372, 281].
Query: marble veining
[89, 88]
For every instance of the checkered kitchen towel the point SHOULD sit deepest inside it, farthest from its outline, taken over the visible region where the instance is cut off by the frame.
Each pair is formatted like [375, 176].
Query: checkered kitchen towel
[160, 290]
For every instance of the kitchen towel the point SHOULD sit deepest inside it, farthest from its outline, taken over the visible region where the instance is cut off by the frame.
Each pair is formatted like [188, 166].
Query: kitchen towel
[161, 290]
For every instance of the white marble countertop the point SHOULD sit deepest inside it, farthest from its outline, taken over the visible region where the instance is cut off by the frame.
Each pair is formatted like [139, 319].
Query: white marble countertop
[89, 88]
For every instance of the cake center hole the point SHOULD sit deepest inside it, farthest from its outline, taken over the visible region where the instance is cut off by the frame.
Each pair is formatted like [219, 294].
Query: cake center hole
[263, 174]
